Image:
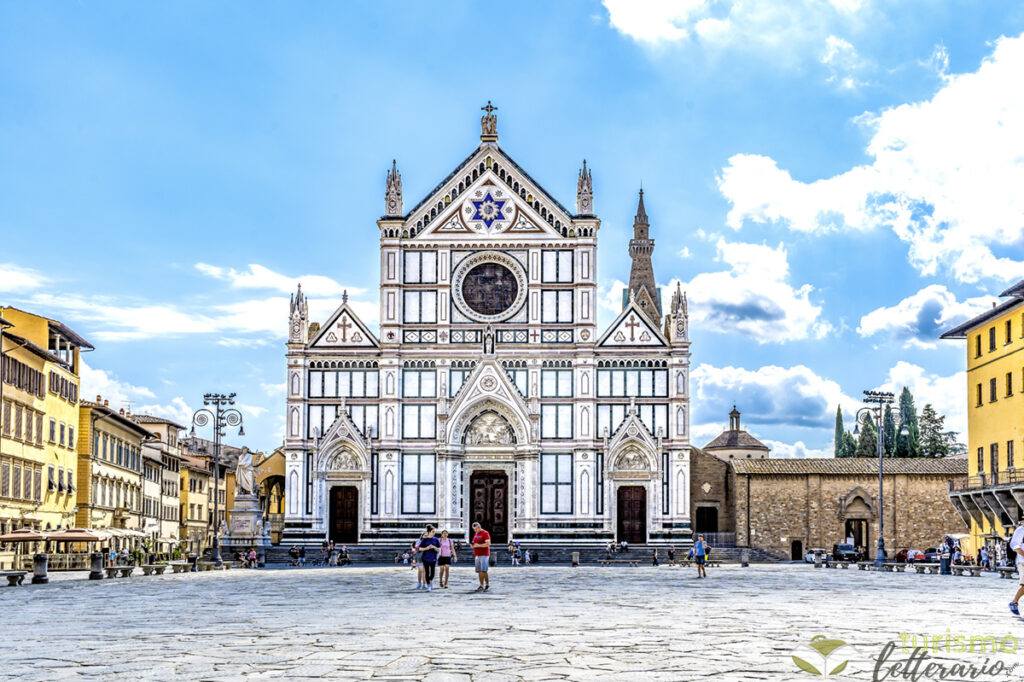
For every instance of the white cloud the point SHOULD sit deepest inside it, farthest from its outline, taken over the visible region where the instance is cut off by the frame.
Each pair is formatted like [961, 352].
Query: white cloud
[274, 390]
[945, 177]
[797, 449]
[843, 62]
[17, 279]
[770, 395]
[177, 410]
[920, 319]
[261, 277]
[789, 30]
[228, 342]
[98, 382]
[753, 297]
[252, 410]
[684, 252]
[946, 394]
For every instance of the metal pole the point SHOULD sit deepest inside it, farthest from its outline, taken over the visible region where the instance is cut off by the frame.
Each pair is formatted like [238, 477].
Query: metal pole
[880, 559]
[216, 488]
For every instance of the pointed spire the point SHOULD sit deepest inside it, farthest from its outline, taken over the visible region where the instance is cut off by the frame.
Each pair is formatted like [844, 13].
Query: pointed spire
[641, 213]
[393, 191]
[585, 192]
[344, 297]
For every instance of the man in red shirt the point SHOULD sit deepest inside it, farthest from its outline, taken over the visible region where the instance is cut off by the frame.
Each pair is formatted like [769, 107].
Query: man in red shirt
[481, 555]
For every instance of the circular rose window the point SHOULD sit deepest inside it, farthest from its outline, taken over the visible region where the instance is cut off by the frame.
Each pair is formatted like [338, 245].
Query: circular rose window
[490, 289]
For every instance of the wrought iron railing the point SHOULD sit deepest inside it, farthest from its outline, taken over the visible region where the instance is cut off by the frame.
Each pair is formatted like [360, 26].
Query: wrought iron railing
[986, 480]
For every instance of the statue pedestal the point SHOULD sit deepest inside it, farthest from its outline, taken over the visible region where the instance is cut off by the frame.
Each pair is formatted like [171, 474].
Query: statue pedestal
[245, 531]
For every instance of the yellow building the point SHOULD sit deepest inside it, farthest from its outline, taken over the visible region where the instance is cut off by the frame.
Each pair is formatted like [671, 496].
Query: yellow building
[991, 498]
[270, 477]
[38, 421]
[110, 469]
[194, 498]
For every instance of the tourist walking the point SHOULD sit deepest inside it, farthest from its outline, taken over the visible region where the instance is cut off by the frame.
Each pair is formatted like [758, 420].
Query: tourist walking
[446, 557]
[515, 556]
[420, 577]
[671, 556]
[700, 556]
[429, 545]
[654, 558]
[302, 556]
[1017, 546]
[481, 556]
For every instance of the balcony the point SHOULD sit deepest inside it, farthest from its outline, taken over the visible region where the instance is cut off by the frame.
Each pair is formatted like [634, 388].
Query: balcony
[995, 497]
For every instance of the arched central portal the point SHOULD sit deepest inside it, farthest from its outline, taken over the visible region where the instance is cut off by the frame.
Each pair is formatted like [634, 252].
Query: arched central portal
[344, 523]
[488, 494]
[632, 514]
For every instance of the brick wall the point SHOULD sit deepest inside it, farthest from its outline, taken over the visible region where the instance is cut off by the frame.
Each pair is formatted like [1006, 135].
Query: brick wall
[710, 470]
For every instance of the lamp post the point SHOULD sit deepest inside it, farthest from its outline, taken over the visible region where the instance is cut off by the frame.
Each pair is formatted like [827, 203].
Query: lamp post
[877, 401]
[222, 416]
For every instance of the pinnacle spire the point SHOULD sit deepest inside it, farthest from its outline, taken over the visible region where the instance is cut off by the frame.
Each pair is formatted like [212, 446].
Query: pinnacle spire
[641, 212]
[642, 286]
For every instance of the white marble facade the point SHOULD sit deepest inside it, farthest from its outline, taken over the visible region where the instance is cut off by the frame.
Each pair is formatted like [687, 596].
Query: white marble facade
[489, 391]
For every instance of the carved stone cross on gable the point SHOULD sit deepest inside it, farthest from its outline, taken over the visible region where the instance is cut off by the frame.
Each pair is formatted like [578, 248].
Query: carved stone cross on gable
[632, 324]
[344, 326]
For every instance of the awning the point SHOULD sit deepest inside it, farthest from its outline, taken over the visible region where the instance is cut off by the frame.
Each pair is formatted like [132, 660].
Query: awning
[115, 532]
[23, 535]
[132, 533]
[79, 535]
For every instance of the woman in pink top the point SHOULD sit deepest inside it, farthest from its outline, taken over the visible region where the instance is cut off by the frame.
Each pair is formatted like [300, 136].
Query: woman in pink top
[446, 559]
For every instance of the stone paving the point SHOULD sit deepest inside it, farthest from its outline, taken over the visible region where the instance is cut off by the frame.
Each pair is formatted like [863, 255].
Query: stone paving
[537, 623]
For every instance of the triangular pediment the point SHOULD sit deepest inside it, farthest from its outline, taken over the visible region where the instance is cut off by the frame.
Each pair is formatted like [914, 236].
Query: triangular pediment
[631, 431]
[342, 446]
[344, 329]
[489, 385]
[632, 329]
[488, 195]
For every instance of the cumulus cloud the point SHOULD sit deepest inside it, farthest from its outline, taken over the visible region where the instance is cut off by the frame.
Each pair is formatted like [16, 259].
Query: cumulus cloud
[920, 319]
[753, 297]
[797, 449]
[16, 279]
[177, 410]
[770, 395]
[843, 63]
[945, 393]
[261, 277]
[98, 382]
[788, 29]
[945, 177]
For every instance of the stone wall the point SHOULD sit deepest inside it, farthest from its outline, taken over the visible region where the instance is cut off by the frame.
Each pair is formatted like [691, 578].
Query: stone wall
[710, 485]
[774, 510]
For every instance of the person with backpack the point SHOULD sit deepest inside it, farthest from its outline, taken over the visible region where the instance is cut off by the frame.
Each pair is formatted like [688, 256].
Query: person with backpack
[700, 555]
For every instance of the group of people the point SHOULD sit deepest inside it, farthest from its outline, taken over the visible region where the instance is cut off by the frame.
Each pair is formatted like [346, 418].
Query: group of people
[437, 553]
[247, 559]
[520, 555]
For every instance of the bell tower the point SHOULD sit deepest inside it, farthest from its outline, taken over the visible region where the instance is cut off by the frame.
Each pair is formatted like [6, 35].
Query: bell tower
[641, 275]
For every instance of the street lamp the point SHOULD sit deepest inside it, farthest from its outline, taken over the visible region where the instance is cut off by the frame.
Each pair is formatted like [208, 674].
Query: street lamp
[877, 401]
[222, 417]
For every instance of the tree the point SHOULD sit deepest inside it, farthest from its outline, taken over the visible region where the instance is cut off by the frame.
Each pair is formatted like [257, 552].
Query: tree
[840, 430]
[956, 447]
[849, 445]
[889, 432]
[867, 444]
[934, 442]
[909, 444]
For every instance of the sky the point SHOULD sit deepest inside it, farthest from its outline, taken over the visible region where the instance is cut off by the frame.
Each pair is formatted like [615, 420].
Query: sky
[834, 183]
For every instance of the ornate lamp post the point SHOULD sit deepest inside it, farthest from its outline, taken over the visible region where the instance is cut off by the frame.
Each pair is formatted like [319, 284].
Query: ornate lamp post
[877, 401]
[222, 416]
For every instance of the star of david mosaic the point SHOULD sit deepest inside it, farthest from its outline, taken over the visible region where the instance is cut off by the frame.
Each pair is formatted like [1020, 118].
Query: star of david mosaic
[488, 210]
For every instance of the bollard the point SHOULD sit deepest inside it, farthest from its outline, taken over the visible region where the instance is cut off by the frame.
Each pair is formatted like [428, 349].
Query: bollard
[39, 563]
[575, 559]
[745, 558]
[96, 566]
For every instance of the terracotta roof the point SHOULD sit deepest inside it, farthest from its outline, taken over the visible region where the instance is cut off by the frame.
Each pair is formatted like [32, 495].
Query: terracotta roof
[945, 466]
[151, 419]
[736, 440]
[960, 331]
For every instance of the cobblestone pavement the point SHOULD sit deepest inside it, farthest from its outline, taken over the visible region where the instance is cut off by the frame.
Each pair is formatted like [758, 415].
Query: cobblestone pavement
[537, 623]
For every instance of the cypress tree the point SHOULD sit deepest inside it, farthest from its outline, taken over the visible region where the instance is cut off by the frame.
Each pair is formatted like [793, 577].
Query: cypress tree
[934, 442]
[908, 445]
[849, 444]
[867, 444]
[840, 430]
[889, 432]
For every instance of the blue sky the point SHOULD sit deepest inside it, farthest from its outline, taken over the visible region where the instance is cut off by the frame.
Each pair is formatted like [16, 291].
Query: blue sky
[832, 182]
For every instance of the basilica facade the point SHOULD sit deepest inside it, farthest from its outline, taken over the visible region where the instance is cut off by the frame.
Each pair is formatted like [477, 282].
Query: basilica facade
[490, 393]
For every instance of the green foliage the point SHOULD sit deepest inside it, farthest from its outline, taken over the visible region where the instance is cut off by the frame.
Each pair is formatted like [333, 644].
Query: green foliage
[934, 439]
[840, 430]
[889, 432]
[867, 444]
[909, 444]
[849, 445]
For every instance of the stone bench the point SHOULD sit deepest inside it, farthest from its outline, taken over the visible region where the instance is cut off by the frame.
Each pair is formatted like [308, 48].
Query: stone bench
[1007, 572]
[205, 565]
[14, 578]
[119, 571]
[227, 565]
[631, 562]
[150, 569]
[974, 571]
[180, 567]
[865, 565]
